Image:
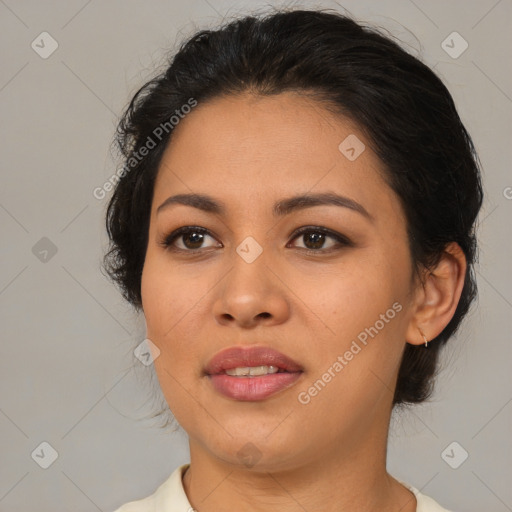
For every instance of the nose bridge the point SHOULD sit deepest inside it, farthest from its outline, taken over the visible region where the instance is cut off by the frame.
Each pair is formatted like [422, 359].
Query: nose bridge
[249, 268]
[249, 291]
[250, 235]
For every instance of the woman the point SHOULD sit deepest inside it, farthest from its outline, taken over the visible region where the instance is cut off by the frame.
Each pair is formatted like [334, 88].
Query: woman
[295, 218]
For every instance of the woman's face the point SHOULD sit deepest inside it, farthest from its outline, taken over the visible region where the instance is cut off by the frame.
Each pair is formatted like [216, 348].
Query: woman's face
[339, 308]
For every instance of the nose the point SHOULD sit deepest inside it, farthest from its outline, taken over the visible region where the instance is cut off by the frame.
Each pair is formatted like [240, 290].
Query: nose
[251, 294]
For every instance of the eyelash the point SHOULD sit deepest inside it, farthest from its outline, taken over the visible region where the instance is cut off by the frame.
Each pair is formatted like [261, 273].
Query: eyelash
[168, 240]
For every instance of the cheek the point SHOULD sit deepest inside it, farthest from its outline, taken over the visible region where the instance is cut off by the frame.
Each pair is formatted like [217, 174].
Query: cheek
[162, 299]
[168, 303]
[353, 365]
[174, 311]
[168, 295]
[352, 297]
[153, 293]
[365, 309]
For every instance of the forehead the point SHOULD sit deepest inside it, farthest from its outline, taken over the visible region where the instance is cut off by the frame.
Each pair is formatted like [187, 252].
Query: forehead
[249, 146]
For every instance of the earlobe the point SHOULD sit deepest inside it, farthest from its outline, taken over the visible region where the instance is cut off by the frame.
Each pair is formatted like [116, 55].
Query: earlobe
[442, 288]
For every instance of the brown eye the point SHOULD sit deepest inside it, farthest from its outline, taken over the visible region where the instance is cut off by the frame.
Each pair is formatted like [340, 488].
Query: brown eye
[314, 239]
[192, 239]
[317, 240]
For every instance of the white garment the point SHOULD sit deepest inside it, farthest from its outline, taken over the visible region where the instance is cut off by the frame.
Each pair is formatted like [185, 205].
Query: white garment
[171, 497]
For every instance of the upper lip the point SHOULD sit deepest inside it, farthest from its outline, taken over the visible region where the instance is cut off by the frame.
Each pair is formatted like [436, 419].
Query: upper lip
[235, 357]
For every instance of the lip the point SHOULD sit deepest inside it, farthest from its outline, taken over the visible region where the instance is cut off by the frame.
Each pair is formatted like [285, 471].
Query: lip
[256, 387]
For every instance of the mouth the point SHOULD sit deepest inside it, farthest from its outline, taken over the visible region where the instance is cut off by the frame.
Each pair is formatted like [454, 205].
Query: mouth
[251, 373]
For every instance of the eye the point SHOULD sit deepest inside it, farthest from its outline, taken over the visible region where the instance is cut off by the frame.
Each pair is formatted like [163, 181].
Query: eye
[192, 237]
[314, 238]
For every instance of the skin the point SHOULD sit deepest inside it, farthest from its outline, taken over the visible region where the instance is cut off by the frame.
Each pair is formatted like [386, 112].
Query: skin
[250, 151]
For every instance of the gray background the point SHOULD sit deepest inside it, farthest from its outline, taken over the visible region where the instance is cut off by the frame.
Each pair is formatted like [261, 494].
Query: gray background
[68, 374]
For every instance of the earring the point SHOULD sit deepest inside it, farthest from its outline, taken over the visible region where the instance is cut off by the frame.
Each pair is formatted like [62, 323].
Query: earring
[424, 338]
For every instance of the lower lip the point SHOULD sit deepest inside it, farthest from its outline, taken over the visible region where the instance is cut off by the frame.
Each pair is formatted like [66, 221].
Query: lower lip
[253, 388]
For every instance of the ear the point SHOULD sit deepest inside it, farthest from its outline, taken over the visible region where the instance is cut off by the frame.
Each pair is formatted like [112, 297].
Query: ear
[437, 296]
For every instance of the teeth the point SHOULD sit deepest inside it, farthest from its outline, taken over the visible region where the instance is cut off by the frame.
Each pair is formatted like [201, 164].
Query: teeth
[251, 371]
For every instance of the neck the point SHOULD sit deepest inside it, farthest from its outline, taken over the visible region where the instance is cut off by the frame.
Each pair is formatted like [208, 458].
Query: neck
[350, 477]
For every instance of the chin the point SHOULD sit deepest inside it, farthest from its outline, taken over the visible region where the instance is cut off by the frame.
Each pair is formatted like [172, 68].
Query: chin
[255, 450]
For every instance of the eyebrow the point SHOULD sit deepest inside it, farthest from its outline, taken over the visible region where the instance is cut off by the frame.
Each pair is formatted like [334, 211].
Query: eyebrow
[281, 208]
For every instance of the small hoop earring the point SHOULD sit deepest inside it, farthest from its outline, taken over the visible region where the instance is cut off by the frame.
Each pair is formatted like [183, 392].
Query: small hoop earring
[424, 339]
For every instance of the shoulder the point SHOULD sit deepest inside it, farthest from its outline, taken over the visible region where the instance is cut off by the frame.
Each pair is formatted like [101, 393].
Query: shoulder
[143, 505]
[169, 496]
[425, 503]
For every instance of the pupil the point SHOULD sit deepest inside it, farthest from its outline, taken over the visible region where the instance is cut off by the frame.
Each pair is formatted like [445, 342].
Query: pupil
[317, 238]
[195, 244]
